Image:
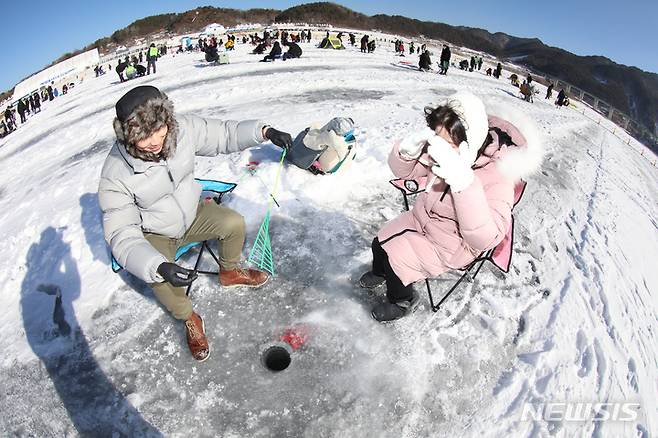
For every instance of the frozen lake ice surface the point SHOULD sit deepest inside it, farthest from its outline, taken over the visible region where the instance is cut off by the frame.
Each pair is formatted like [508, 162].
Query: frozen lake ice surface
[87, 352]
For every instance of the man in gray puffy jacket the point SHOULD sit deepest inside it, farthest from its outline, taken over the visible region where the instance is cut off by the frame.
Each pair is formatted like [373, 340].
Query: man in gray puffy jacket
[151, 204]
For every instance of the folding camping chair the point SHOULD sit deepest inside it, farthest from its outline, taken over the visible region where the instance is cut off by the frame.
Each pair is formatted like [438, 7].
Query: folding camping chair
[500, 256]
[219, 188]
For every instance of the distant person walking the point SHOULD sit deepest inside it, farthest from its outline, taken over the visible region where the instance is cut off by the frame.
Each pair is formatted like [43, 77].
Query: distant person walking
[22, 108]
[549, 91]
[364, 44]
[445, 59]
[151, 58]
[498, 71]
[35, 103]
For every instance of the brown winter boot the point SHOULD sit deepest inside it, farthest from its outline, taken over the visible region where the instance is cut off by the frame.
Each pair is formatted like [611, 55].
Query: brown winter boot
[242, 277]
[196, 338]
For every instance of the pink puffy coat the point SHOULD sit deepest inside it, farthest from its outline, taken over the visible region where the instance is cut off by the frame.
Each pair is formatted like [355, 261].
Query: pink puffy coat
[439, 235]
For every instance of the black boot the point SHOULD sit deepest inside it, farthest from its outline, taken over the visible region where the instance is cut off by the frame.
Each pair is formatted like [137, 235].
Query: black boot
[387, 311]
[370, 280]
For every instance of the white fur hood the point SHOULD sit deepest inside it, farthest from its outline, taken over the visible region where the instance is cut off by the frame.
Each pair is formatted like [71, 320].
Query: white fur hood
[524, 159]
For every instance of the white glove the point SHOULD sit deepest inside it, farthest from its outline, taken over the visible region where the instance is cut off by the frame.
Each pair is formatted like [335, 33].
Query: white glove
[453, 166]
[468, 153]
[411, 146]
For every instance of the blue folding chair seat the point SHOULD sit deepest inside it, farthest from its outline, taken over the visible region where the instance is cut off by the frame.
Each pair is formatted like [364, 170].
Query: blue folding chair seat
[219, 188]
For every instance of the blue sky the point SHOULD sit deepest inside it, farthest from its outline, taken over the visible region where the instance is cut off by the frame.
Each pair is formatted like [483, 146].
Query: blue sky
[35, 33]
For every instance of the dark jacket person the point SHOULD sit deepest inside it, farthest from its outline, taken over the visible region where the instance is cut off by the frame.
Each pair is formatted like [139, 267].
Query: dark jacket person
[274, 53]
[425, 62]
[294, 51]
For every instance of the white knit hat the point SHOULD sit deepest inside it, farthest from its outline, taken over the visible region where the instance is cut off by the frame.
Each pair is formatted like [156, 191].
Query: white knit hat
[471, 111]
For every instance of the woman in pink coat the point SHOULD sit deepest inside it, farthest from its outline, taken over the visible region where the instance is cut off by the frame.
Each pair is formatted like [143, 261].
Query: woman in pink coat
[471, 162]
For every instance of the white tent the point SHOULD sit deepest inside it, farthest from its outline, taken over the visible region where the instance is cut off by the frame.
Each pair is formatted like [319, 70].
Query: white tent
[245, 27]
[214, 29]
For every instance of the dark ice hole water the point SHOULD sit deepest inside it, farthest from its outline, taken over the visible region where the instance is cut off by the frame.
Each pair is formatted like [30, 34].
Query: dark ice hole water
[276, 358]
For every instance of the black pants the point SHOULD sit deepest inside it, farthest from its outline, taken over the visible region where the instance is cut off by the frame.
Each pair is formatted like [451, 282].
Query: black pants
[287, 55]
[396, 291]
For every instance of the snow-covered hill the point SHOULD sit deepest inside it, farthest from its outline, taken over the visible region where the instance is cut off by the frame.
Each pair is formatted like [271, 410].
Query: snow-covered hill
[89, 352]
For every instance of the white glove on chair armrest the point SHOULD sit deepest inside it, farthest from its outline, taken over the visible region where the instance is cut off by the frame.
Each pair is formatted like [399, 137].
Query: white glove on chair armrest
[453, 167]
[411, 146]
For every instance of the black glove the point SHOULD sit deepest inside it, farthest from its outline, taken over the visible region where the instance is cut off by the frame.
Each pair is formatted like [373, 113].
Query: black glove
[281, 139]
[176, 275]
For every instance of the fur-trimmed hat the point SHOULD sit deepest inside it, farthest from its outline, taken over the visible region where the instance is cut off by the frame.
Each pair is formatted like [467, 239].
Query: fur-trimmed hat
[140, 112]
[473, 115]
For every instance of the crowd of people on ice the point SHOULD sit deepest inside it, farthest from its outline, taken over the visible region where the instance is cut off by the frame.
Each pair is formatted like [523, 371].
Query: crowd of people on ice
[271, 41]
[274, 45]
[127, 68]
[527, 88]
[284, 45]
[212, 47]
[28, 106]
[132, 67]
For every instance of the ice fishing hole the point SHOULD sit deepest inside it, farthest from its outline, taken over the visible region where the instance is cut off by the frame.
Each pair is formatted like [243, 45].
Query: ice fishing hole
[276, 358]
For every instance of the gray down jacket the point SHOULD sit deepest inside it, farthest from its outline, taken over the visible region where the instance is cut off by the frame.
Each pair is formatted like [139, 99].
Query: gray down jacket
[139, 196]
